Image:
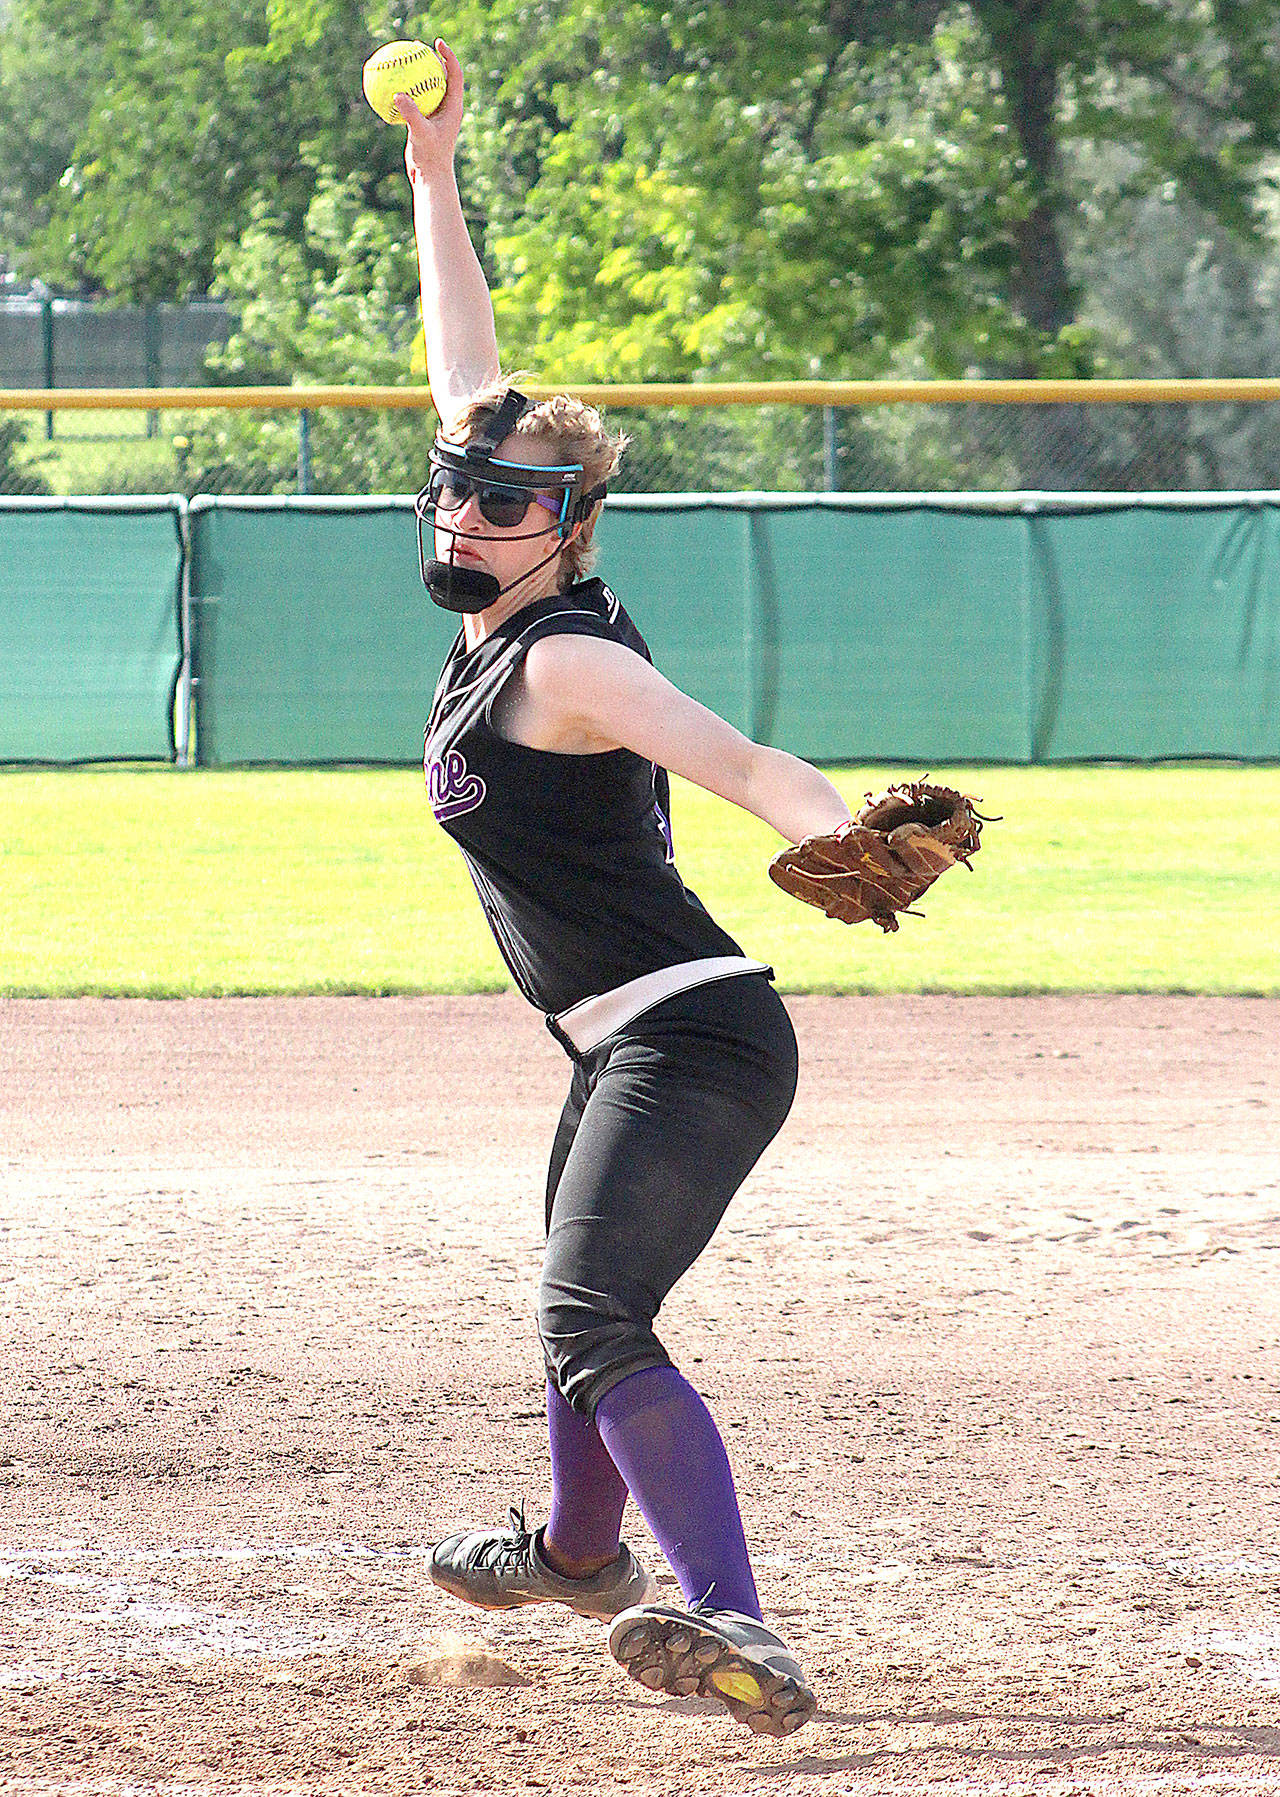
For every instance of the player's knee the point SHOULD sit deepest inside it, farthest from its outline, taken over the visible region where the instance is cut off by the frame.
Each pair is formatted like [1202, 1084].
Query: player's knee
[590, 1337]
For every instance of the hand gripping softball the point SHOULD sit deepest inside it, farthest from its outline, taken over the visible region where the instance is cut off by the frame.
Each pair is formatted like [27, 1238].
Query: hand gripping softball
[878, 865]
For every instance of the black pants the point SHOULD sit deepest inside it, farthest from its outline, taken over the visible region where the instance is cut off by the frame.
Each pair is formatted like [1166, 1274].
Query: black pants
[662, 1124]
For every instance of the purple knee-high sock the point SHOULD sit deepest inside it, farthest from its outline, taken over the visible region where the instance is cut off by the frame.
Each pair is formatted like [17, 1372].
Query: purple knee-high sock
[661, 1438]
[588, 1494]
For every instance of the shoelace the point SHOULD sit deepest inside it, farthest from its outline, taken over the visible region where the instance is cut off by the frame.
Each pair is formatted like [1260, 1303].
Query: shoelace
[768, 1639]
[503, 1552]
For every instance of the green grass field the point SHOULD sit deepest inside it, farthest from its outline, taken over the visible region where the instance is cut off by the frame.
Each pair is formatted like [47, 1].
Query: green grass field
[100, 452]
[160, 882]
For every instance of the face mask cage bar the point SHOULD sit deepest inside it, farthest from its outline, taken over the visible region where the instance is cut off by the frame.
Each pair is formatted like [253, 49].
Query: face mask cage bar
[477, 465]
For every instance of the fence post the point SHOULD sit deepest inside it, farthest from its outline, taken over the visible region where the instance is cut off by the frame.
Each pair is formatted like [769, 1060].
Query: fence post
[151, 357]
[304, 451]
[46, 335]
[830, 471]
[186, 669]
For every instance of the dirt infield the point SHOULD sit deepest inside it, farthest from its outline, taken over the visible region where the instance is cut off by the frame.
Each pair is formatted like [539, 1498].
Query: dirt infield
[993, 1333]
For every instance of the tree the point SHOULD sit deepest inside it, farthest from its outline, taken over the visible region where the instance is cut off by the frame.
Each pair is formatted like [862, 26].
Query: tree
[890, 177]
[44, 84]
[338, 307]
[663, 193]
[841, 185]
[191, 112]
[1190, 87]
[1171, 289]
[838, 188]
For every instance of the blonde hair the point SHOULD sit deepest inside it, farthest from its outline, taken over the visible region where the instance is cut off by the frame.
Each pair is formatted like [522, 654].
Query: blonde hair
[572, 430]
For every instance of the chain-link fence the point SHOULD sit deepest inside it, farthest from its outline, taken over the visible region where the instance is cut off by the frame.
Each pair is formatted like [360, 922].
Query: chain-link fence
[51, 342]
[960, 447]
[771, 440]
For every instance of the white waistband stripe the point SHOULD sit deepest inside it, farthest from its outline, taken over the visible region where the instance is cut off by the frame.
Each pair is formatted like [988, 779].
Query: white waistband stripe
[587, 1024]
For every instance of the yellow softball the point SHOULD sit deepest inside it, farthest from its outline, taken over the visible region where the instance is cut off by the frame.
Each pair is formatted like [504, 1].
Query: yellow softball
[405, 67]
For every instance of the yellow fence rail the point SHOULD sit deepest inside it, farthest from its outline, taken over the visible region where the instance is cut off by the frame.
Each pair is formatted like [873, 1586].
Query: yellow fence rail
[716, 436]
[663, 393]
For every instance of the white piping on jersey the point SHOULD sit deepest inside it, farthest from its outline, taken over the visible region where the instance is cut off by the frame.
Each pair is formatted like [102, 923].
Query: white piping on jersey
[472, 697]
[575, 611]
[518, 643]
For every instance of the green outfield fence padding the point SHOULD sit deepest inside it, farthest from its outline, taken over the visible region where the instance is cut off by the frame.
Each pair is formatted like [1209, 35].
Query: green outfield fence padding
[314, 638]
[841, 629]
[90, 637]
[1157, 631]
[685, 572]
[909, 629]
[894, 628]
[980, 627]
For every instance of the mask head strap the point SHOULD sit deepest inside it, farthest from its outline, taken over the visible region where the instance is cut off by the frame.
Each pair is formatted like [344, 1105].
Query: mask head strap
[498, 426]
[469, 589]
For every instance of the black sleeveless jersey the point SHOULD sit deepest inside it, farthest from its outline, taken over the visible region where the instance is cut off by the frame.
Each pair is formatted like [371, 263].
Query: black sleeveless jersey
[571, 854]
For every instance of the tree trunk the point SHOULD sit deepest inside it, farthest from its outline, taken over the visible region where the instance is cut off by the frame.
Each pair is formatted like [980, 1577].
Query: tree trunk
[1060, 449]
[1021, 39]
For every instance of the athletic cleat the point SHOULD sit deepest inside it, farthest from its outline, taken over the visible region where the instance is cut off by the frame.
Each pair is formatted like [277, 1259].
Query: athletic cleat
[714, 1653]
[500, 1569]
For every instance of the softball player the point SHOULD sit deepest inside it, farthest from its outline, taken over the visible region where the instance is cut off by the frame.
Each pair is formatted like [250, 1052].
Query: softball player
[546, 754]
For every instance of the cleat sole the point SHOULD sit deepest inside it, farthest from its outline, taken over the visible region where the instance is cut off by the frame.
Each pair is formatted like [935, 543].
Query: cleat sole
[630, 1645]
[743, 1687]
[664, 1654]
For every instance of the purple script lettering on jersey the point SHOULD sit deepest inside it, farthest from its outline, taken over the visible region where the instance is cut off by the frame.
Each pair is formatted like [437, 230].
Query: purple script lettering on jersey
[450, 788]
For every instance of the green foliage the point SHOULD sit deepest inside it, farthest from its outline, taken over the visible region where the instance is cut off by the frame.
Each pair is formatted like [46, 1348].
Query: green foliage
[335, 308]
[1173, 290]
[732, 197]
[336, 303]
[18, 475]
[351, 451]
[842, 190]
[861, 188]
[182, 118]
[45, 82]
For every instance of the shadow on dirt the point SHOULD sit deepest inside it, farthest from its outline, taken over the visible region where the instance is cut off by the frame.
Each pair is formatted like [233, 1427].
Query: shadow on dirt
[1210, 1743]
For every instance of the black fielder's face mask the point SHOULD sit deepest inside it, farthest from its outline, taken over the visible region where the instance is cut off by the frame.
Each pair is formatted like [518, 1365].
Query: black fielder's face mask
[508, 496]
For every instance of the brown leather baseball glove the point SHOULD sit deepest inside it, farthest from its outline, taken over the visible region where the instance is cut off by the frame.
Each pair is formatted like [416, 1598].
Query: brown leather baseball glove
[879, 863]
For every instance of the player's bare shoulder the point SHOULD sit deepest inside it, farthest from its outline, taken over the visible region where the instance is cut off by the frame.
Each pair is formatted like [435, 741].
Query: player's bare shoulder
[559, 663]
[559, 700]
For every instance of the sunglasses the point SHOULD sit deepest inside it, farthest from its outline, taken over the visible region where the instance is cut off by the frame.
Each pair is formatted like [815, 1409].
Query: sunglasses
[503, 506]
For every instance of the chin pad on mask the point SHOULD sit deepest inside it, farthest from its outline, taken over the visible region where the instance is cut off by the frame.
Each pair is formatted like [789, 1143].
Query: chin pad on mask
[460, 589]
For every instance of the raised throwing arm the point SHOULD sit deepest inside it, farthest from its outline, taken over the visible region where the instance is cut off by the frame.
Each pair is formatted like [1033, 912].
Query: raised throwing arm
[457, 313]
